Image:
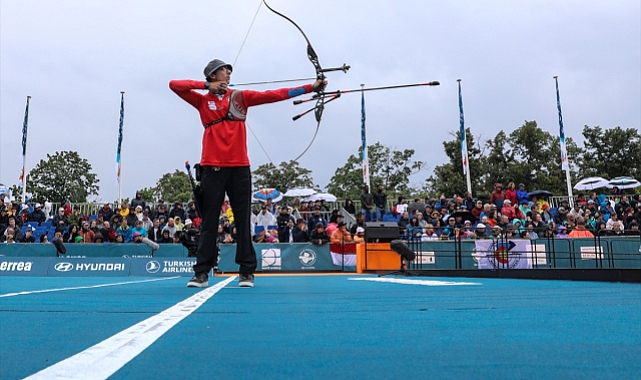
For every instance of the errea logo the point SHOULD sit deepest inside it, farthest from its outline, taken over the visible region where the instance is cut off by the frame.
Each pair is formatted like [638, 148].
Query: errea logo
[15, 266]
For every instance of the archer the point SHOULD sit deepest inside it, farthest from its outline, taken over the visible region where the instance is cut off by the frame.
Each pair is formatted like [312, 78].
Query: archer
[224, 161]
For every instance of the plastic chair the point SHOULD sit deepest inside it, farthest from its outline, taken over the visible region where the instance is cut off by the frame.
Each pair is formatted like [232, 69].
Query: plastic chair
[259, 229]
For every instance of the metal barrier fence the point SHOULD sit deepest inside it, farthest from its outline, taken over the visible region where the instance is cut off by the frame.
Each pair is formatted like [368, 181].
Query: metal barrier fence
[546, 253]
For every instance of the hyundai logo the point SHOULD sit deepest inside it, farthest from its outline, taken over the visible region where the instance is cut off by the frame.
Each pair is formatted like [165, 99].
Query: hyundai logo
[63, 267]
[152, 266]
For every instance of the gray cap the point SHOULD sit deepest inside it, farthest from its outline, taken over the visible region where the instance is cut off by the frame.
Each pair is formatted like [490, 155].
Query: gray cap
[215, 65]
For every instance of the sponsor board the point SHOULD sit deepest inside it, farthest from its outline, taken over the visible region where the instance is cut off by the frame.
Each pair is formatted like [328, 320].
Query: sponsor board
[23, 266]
[159, 267]
[88, 267]
[307, 258]
[271, 259]
[590, 253]
[425, 257]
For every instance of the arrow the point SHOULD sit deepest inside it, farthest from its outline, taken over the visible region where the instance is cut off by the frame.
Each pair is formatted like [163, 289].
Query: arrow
[332, 93]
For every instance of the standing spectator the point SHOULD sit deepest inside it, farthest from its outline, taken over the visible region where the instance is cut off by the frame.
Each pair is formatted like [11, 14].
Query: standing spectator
[318, 235]
[380, 202]
[106, 212]
[497, 196]
[300, 232]
[283, 218]
[511, 193]
[341, 235]
[316, 218]
[138, 201]
[522, 194]
[177, 211]
[367, 203]
[286, 234]
[417, 205]
[483, 195]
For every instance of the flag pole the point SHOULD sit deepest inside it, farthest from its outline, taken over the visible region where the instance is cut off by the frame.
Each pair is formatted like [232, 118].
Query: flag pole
[464, 155]
[118, 159]
[364, 138]
[565, 164]
[23, 175]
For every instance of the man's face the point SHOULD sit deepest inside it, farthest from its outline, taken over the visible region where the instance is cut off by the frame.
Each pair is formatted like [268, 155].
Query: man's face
[156, 223]
[124, 222]
[361, 218]
[170, 222]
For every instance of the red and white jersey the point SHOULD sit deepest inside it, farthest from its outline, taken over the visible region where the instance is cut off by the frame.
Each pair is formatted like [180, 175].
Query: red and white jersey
[225, 143]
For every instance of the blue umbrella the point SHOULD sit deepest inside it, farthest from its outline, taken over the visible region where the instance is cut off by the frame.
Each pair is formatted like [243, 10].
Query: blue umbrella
[265, 194]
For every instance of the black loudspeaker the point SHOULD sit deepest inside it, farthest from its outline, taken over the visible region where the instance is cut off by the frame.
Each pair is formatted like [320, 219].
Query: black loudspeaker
[381, 232]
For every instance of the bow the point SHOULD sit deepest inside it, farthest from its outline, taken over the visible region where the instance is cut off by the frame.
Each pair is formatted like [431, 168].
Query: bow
[320, 74]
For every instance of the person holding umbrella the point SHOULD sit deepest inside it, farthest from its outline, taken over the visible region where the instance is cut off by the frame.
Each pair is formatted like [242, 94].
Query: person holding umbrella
[224, 161]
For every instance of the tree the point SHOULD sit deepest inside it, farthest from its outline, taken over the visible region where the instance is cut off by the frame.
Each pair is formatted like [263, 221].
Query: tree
[64, 176]
[388, 167]
[288, 175]
[173, 187]
[448, 178]
[150, 194]
[611, 153]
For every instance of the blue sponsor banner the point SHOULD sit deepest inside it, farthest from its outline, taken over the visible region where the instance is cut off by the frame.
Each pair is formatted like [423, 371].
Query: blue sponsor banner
[162, 267]
[89, 267]
[23, 266]
[78, 251]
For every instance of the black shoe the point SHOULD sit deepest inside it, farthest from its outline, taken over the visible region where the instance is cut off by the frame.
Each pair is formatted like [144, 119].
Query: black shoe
[198, 281]
[246, 281]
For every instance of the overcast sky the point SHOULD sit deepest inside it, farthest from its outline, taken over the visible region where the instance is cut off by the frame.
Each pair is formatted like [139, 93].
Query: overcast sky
[74, 58]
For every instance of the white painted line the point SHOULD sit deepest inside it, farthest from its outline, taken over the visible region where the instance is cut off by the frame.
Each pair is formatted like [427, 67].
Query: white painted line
[108, 356]
[84, 287]
[415, 282]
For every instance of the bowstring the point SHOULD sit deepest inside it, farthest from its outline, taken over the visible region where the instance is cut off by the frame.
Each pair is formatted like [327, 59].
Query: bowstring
[260, 3]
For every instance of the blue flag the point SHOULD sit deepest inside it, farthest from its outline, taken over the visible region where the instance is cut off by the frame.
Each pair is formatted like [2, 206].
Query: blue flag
[464, 157]
[564, 152]
[24, 143]
[122, 118]
[364, 140]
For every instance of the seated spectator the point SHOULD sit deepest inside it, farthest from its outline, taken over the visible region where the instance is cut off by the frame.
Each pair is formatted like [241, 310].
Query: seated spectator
[266, 218]
[360, 222]
[178, 223]
[165, 239]
[580, 231]
[478, 209]
[60, 218]
[318, 235]
[138, 212]
[171, 227]
[349, 206]
[562, 232]
[136, 237]
[341, 235]
[97, 240]
[601, 229]
[125, 231]
[37, 216]
[108, 233]
[359, 237]
[428, 233]
[530, 233]
[28, 237]
[561, 216]
[634, 229]
[79, 240]
[138, 228]
[93, 225]
[548, 233]
[177, 211]
[414, 230]
[123, 211]
[304, 210]
[403, 223]
[131, 217]
[481, 231]
[146, 222]
[617, 229]
[400, 207]
[576, 211]
[155, 232]
[286, 234]
[119, 239]
[86, 234]
[70, 236]
[614, 220]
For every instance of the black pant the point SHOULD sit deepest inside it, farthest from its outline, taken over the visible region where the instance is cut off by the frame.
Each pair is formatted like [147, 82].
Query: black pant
[214, 183]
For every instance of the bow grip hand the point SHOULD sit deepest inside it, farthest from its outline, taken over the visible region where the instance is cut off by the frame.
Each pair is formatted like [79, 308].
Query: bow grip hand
[319, 85]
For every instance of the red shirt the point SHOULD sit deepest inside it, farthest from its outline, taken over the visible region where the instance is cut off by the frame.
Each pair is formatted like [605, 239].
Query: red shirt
[225, 143]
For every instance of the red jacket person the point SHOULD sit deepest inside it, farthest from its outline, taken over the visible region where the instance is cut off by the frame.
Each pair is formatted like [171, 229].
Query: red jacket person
[224, 161]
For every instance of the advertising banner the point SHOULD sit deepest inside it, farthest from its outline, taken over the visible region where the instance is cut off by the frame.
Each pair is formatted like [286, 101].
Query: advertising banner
[503, 254]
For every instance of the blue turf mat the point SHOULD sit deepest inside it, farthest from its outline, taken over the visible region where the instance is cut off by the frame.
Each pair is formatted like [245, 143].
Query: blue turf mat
[329, 326]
